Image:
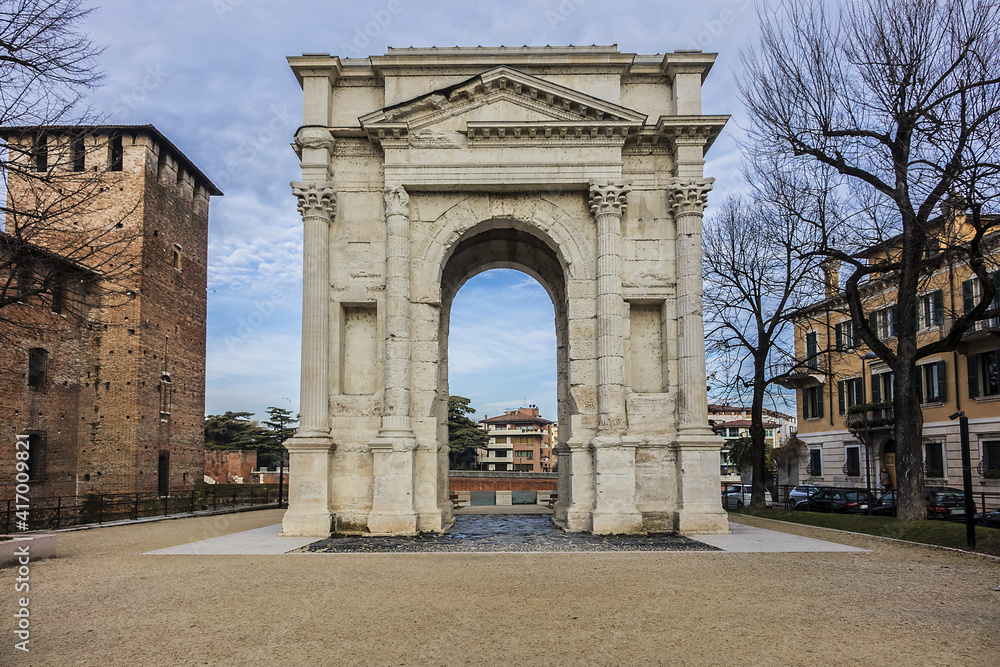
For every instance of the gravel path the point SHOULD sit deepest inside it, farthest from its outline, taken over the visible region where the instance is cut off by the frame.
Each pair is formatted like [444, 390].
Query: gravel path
[101, 603]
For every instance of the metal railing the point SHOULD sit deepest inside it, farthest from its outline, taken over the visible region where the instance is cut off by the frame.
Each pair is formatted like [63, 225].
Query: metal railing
[54, 512]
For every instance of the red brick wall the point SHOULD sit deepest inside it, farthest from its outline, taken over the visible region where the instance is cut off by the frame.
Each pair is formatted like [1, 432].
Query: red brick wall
[500, 484]
[220, 464]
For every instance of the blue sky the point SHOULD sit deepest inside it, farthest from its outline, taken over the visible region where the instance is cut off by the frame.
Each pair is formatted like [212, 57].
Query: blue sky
[212, 76]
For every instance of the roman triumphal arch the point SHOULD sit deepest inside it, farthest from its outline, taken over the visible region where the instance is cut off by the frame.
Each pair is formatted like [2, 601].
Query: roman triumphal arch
[580, 166]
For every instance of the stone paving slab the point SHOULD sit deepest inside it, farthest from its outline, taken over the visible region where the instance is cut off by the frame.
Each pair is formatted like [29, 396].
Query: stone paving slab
[262, 541]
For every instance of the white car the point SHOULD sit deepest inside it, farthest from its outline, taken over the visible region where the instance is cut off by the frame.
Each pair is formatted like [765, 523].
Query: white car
[738, 495]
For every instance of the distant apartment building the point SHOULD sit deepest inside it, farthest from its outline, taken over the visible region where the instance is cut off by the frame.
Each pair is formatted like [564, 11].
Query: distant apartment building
[733, 422]
[845, 397]
[103, 378]
[520, 441]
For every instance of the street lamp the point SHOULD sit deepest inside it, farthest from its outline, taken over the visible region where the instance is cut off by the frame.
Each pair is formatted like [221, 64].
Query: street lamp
[868, 436]
[970, 519]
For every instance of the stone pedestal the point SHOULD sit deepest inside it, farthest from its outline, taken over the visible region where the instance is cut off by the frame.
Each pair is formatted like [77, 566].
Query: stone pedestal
[308, 489]
[614, 506]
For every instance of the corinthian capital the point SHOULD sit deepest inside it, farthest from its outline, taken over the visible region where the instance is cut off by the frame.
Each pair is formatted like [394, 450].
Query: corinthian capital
[313, 137]
[316, 199]
[689, 195]
[608, 198]
[397, 202]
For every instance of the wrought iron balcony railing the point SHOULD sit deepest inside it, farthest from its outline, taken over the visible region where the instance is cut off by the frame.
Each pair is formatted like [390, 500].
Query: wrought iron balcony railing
[879, 417]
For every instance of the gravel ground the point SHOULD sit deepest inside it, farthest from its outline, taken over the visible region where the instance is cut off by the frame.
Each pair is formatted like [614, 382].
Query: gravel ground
[101, 603]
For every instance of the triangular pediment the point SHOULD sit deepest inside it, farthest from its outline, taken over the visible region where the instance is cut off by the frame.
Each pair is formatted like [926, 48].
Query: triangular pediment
[502, 103]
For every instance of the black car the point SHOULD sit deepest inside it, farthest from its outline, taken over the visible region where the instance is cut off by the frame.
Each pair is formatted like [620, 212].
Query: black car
[944, 502]
[989, 519]
[844, 501]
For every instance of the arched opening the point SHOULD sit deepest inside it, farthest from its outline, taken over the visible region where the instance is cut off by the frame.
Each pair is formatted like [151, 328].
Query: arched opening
[509, 244]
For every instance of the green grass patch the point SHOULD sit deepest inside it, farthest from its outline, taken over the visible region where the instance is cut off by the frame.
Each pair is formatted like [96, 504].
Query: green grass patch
[940, 533]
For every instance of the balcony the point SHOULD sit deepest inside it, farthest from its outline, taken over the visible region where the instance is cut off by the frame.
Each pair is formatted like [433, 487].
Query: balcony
[503, 432]
[879, 417]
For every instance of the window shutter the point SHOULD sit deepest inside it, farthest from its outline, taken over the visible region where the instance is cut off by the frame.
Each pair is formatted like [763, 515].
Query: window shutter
[967, 298]
[895, 321]
[937, 305]
[819, 402]
[995, 276]
[840, 336]
[840, 395]
[942, 387]
[973, 361]
[873, 323]
[876, 388]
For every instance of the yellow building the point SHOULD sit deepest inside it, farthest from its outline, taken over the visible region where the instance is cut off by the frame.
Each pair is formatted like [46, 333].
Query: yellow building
[845, 397]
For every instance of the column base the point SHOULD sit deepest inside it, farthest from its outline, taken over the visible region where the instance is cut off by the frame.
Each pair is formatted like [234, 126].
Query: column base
[617, 523]
[305, 525]
[694, 522]
[392, 523]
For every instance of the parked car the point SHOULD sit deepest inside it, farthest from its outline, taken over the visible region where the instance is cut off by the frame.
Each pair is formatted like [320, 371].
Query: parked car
[738, 495]
[944, 502]
[989, 519]
[886, 505]
[803, 492]
[844, 501]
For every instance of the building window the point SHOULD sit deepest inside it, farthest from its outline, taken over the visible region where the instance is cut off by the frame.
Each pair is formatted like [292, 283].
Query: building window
[972, 293]
[177, 258]
[934, 459]
[166, 396]
[37, 445]
[530, 456]
[79, 155]
[930, 310]
[984, 373]
[884, 322]
[40, 153]
[932, 383]
[846, 339]
[852, 461]
[523, 467]
[990, 465]
[812, 350]
[815, 463]
[850, 393]
[115, 153]
[882, 387]
[812, 402]
[38, 358]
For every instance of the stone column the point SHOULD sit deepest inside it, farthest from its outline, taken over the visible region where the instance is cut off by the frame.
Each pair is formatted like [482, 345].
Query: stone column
[309, 450]
[614, 455]
[698, 447]
[393, 450]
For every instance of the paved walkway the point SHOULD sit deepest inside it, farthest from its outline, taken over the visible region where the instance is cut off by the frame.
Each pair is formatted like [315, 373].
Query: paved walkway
[504, 533]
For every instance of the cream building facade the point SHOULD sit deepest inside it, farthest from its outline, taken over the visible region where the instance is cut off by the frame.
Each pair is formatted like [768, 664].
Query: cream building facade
[580, 166]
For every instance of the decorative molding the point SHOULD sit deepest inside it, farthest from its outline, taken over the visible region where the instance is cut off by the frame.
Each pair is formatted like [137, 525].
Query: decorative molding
[313, 137]
[354, 448]
[397, 202]
[316, 199]
[547, 133]
[689, 195]
[609, 198]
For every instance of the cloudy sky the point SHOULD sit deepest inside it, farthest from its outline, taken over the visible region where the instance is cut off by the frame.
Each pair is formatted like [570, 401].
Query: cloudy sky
[212, 76]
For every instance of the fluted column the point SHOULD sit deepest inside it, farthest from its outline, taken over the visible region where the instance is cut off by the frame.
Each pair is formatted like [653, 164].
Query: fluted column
[310, 449]
[688, 198]
[608, 203]
[318, 206]
[396, 410]
[393, 451]
[614, 455]
[700, 509]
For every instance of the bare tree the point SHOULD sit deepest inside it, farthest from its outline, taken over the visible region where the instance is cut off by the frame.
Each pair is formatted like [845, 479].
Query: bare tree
[759, 267]
[901, 98]
[59, 233]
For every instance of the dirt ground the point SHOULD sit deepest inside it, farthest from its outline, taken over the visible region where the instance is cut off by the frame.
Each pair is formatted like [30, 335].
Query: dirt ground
[101, 603]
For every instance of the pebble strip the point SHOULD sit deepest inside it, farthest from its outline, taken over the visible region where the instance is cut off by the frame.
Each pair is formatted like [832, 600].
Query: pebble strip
[504, 533]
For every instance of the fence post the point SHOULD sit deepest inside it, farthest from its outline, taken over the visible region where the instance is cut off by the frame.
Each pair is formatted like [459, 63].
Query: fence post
[6, 524]
[58, 511]
[192, 502]
[166, 503]
[100, 508]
